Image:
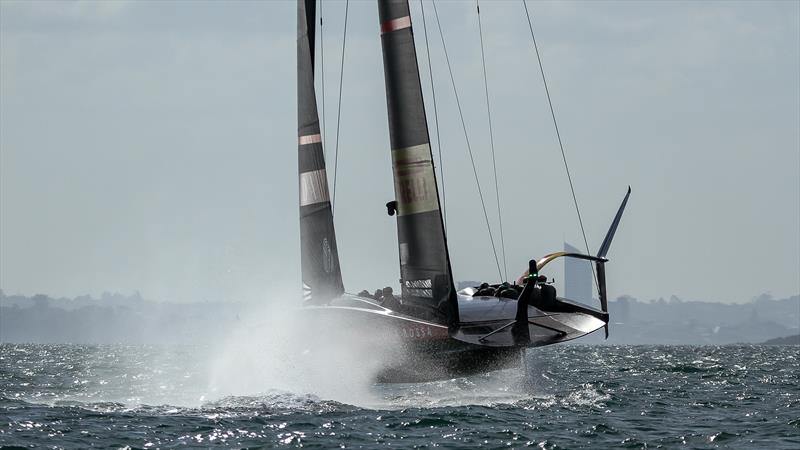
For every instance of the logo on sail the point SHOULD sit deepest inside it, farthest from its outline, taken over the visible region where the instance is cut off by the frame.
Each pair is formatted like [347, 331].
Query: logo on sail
[327, 256]
[414, 182]
[418, 288]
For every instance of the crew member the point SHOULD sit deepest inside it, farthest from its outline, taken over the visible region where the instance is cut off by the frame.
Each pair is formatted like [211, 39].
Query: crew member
[484, 290]
[389, 300]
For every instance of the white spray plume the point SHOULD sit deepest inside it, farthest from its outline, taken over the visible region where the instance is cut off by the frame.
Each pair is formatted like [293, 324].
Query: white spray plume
[282, 348]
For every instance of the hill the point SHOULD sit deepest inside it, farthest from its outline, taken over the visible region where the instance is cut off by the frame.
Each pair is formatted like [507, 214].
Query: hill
[788, 340]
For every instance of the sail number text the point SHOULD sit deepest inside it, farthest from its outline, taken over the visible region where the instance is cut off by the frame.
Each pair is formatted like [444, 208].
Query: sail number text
[415, 332]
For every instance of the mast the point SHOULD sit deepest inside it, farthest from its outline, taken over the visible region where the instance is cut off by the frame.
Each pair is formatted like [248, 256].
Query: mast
[319, 257]
[426, 278]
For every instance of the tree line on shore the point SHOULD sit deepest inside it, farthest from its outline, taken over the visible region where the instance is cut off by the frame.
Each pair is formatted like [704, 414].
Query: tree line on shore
[131, 319]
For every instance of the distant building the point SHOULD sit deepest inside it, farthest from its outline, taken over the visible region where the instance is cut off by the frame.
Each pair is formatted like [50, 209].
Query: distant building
[577, 277]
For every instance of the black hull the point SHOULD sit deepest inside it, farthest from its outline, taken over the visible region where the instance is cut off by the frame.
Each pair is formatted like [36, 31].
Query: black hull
[413, 350]
[461, 362]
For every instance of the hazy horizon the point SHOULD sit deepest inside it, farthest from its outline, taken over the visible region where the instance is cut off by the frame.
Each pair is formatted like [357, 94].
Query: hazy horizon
[143, 296]
[152, 146]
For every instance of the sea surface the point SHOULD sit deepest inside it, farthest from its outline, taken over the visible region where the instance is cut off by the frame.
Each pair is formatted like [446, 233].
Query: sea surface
[575, 396]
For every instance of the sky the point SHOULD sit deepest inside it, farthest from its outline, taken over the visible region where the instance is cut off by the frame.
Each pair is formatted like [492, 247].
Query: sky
[151, 146]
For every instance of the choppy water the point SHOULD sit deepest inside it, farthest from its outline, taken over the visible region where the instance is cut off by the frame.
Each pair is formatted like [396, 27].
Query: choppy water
[567, 397]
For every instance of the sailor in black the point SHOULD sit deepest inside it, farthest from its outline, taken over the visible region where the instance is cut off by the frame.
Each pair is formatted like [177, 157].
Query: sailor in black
[389, 300]
[484, 290]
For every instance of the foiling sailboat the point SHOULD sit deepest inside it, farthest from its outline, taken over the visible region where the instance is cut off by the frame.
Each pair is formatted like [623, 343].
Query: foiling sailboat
[444, 333]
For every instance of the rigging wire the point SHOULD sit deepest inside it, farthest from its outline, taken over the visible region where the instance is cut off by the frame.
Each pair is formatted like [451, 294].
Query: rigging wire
[558, 135]
[491, 142]
[339, 112]
[466, 137]
[322, 74]
[435, 116]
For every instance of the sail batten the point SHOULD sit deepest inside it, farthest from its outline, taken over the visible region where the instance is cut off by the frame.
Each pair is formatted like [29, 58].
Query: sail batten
[319, 258]
[426, 280]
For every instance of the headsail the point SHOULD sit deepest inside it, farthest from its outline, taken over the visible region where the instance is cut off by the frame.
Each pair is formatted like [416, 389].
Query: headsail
[322, 276]
[427, 283]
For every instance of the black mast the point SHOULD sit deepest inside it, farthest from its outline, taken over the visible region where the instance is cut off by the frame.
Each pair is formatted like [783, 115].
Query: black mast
[319, 257]
[427, 282]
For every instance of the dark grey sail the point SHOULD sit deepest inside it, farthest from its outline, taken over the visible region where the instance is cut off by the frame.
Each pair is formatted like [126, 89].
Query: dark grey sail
[319, 257]
[427, 283]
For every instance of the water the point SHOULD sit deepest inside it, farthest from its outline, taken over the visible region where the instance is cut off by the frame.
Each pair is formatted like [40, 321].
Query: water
[568, 397]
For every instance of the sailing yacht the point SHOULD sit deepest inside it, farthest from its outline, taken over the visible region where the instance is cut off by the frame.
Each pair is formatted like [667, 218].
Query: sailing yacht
[444, 333]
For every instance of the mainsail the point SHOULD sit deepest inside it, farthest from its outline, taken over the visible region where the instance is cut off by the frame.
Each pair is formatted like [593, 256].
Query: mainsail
[322, 276]
[426, 278]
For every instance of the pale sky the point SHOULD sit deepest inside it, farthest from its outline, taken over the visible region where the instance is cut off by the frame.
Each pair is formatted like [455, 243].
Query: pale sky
[152, 146]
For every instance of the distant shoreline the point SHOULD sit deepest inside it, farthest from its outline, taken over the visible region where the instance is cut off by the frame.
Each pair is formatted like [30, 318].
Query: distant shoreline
[132, 319]
[787, 340]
